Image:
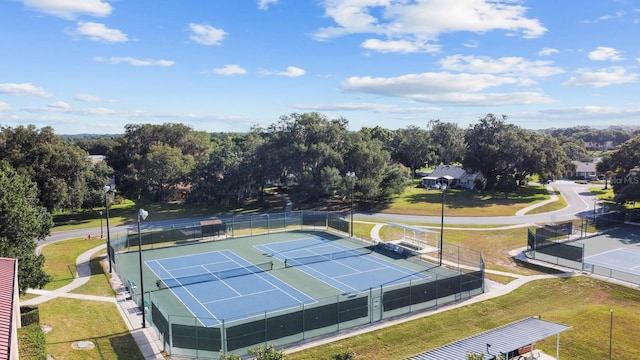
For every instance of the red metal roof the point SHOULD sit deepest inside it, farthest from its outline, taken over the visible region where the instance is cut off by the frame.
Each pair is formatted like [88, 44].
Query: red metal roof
[7, 291]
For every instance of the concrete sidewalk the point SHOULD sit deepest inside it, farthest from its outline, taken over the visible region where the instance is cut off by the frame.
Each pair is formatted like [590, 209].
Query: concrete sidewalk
[146, 338]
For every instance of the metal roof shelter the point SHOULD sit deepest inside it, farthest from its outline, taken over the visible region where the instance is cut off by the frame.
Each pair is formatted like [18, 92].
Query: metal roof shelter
[505, 339]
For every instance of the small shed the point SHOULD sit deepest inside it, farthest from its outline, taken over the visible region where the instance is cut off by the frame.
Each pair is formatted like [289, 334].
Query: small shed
[508, 340]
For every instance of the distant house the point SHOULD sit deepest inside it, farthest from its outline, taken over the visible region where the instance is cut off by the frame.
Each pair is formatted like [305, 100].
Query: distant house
[593, 145]
[94, 159]
[584, 170]
[452, 176]
[9, 309]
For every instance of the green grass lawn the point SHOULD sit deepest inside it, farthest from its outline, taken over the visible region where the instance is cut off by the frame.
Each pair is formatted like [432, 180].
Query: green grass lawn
[462, 202]
[75, 320]
[559, 204]
[581, 302]
[60, 260]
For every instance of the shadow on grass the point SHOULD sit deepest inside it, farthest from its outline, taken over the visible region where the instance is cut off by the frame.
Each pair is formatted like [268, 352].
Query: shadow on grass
[462, 198]
[538, 268]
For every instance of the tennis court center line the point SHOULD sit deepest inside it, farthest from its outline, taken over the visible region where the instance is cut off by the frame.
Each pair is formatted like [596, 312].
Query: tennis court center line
[286, 292]
[181, 299]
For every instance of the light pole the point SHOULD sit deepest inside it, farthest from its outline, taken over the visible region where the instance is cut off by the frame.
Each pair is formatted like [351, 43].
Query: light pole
[107, 189]
[610, 330]
[444, 188]
[595, 207]
[142, 214]
[352, 175]
[101, 234]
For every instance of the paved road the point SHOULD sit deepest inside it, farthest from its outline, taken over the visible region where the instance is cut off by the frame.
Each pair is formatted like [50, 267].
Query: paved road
[580, 204]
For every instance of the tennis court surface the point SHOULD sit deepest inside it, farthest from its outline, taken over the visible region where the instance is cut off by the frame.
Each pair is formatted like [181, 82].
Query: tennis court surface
[222, 285]
[346, 269]
[623, 259]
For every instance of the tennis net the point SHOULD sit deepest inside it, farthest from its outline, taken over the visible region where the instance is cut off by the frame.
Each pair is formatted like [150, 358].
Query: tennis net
[214, 275]
[306, 260]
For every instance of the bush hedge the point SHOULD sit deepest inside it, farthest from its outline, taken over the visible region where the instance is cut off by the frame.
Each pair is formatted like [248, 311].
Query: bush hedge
[32, 343]
[29, 315]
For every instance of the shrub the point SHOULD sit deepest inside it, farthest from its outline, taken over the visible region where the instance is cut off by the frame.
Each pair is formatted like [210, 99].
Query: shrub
[29, 315]
[32, 343]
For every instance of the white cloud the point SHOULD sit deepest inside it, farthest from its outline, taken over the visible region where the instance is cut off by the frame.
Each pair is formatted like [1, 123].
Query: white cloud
[603, 53]
[595, 113]
[99, 32]
[23, 89]
[445, 88]
[264, 4]
[206, 34]
[613, 75]
[422, 21]
[88, 98]
[376, 108]
[60, 105]
[230, 69]
[548, 52]
[4, 106]
[292, 71]
[472, 44]
[399, 46]
[135, 62]
[70, 9]
[513, 66]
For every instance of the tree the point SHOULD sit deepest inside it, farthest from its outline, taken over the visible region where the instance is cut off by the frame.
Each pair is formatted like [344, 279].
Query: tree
[23, 219]
[300, 146]
[164, 167]
[414, 147]
[266, 353]
[624, 165]
[129, 157]
[448, 141]
[59, 169]
[506, 154]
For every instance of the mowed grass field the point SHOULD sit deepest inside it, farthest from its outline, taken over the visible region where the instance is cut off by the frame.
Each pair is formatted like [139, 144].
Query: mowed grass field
[580, 302]
[75, 320]
[462, 202]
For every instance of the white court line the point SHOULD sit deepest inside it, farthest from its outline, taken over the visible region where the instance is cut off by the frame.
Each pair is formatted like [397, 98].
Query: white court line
[194, 298]
[260, 275]
[240, 296]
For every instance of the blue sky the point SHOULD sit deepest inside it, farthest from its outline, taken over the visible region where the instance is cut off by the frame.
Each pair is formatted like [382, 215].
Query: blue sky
[93, 66]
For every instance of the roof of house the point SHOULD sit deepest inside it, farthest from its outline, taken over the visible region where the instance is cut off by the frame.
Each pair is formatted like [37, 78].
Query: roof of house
[7, 291]
[585, 166]
[448, 171]
[503, 339]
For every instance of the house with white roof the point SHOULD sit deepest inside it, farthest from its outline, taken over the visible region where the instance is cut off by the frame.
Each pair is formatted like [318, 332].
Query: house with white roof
[451, 175]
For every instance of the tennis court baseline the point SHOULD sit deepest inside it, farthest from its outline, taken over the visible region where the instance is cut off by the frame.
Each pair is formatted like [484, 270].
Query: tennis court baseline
[344, 268]
[622, 259]
[221, 285]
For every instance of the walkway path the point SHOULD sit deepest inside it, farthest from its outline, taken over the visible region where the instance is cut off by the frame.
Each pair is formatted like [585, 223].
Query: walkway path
[145, 338]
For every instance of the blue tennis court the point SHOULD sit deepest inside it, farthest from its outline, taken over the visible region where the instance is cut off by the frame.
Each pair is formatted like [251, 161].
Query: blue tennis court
[222, 285]
[622, 259]
[346, 269]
